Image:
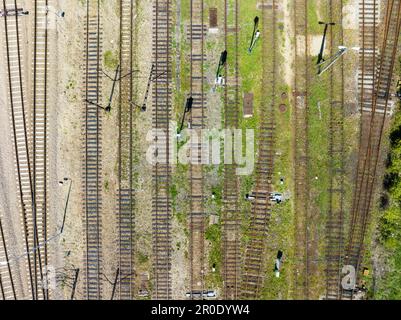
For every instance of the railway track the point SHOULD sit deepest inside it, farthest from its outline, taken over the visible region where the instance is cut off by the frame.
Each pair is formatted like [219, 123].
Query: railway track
[197, 32]
[231, 219]
[254, 264]
[161, 113]
[301, 148]
[23, 154]
[335, 220]
[374, 116]
[126, 195]
[369, 19]
[92, 164]
[39, 133]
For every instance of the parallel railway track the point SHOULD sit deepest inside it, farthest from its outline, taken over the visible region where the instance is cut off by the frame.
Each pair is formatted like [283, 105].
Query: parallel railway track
[20, 133]
[126, 196]
[374, 116]
[161, 113]
[92, 164]
[196, 35]
[231, 214]
[29, 126]
[335, 219]
[254, 263]
[39, 133]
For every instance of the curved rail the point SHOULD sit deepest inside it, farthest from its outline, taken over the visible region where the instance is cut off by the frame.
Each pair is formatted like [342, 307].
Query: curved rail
[370, 152]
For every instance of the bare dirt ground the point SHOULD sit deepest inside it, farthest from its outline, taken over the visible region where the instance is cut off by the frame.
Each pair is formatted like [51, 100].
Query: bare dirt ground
[111, 35]
[143, 124]
[351, 18]
[288, 50]
[67, 142]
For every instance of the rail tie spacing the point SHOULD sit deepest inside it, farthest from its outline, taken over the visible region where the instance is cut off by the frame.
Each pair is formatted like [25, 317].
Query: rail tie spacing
[126, 195]
[92, 157]
[161, 114]
[39, 132]
[335, 219]
[196, 34]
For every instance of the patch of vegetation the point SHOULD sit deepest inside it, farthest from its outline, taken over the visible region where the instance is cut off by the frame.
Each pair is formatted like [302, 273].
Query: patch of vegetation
[390, 218]
[142, 258]
[110, 60]
[213, 235]
[389, 222]
[71, 84]
[313, 21]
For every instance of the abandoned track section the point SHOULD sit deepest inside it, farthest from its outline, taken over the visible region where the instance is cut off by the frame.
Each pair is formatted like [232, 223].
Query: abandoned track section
[197, 30]
[254, 264]
[126, 200]
[335, 219]
[39, 132]
[301, 146]
[16, 87]
[370, 152]
[161, 112]
[92, 166]
[230, 214]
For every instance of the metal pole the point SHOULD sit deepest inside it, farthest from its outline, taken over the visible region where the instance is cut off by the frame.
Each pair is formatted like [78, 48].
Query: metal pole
[256, 22]
[65, 208]
[74, 286]
[115, 284]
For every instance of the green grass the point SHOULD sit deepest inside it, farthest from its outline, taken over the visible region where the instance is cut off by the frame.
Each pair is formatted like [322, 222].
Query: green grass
[213, 235]
[142, 258]
[389, 287]
[313, 22]
[319, 143]
[389, 219]
[110, 59]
